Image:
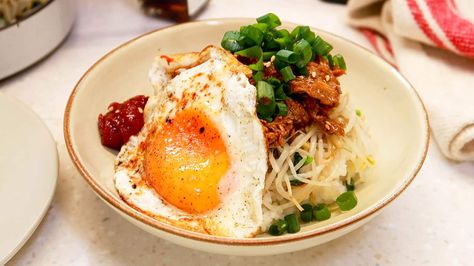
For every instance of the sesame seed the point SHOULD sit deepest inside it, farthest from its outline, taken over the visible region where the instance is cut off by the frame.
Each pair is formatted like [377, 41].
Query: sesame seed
[327, 77]
[267, 64]
[272, 58]
[140, 110]
[313, 74]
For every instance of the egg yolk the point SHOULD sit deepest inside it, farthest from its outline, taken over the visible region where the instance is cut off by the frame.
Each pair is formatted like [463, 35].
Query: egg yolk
[185, 160]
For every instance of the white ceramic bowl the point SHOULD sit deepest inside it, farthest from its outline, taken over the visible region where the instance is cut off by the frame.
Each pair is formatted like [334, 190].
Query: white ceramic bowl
[395, 116]
[35, 36]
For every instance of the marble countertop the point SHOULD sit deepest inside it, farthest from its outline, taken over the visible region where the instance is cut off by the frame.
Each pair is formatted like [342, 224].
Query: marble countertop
[430, 223]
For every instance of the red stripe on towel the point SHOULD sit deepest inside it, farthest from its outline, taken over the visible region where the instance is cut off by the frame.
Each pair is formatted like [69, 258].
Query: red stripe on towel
[421, 21]
[372, 36]
[459, 30]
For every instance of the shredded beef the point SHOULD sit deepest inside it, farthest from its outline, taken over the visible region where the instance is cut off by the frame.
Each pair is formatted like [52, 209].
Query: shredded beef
[319, 114]
[314, 96]
[283, 126]
[320, 84]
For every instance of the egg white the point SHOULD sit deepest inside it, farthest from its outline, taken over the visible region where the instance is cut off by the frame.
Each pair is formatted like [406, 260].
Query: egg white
[214, 82]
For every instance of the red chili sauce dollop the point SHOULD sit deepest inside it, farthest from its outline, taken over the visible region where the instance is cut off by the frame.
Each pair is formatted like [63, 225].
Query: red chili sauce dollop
[122, 121]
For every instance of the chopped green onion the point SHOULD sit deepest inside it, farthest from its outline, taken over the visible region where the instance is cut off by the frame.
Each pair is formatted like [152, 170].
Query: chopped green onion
[284, 42]
[230, 41]
[266, 99]
[287, 73]
[339, 61]
[289, 52]
[257, 76]
[279, 64]
[268, 55]
[252, 52]
[282, 109]
[269, 42]
[303, 49]
[273, 81]
[270, 19]
[297, 158]
[330, 61]
[261, 26]
[321, 212]
[286, 88]
[303, 71]
[296, 183]
[350, 186]
[280, 94]
[278, 228]
[251, 35]
[307, 207]
[358, 112]
[283, 33]
[293, 224]
[303, 32]
[309, 36]
[321, 47]
[258, 66]
[347, 201]
[287, 56]
[268, 119]
[307, 214]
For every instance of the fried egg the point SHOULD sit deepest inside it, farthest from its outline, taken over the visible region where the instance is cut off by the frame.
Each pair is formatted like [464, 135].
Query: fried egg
[200, 160]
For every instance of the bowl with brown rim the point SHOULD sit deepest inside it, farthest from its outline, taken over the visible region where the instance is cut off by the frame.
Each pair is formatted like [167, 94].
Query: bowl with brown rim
[396, 118]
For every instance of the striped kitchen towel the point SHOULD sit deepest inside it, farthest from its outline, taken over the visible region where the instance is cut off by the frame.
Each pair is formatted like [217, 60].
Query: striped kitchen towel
[431, 42]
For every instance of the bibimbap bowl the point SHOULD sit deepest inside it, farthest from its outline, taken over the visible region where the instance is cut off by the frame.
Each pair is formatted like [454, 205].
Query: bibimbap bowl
[393, 111]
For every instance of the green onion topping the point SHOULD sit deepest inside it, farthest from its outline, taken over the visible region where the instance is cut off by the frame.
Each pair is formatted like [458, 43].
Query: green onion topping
[293, 224]
[251, 35]
[268, 55]
[321, 47]
[303, 49]
[347, 201]
[287, 56]
[297, 158]
[287, 73]
[257, 66]
[321, 212]
[282, 108]
[339, 61]
[257, 76]
[330, 61]
[252, 52]
[289, 52]
[270, 19]
[278, 228]
[230, 41]
[307, 214]
[266, 99]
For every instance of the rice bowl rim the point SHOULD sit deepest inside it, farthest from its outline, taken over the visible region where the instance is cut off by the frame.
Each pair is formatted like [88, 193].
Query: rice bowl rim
[120, 205]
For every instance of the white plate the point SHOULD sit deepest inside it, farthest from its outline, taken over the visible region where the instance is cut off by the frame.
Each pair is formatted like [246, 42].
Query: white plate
[28, 173]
